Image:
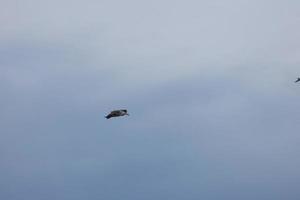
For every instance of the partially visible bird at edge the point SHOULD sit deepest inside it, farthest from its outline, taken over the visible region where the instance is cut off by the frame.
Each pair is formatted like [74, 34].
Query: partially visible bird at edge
[116, 113]
[297, 80]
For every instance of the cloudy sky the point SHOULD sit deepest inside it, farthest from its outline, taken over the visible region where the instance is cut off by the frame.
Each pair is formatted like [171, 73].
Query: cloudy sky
[214, 111]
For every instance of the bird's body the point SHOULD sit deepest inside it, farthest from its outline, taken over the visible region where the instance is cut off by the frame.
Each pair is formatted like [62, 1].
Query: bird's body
[117, 113]
[297, 80]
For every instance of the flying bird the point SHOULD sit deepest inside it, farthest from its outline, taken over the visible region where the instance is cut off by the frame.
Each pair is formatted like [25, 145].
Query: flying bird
[117, 113]
[297, 80]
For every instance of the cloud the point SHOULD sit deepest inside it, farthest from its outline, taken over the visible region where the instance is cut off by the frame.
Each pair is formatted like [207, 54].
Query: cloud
[209, 86]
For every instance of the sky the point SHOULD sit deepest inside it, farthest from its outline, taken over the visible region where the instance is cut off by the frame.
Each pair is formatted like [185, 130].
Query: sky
[209, 86]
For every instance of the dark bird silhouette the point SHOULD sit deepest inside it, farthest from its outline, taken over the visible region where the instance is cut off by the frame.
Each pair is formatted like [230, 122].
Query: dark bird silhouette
[116, 113]
[297, 80]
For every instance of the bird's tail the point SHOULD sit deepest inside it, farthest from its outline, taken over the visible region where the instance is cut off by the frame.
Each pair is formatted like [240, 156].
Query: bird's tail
[107, 117]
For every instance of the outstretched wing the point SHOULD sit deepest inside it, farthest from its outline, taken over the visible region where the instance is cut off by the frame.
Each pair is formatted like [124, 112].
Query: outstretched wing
[114, 113]
[108, 116]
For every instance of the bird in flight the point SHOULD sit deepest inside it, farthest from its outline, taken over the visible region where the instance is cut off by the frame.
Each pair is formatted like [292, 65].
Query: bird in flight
[297, 80]
[116, 113]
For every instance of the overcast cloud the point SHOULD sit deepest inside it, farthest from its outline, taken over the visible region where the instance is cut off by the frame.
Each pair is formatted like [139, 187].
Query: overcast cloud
[214, 112]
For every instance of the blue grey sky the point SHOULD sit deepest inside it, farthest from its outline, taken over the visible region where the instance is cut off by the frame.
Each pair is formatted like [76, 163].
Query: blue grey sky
[214, 111]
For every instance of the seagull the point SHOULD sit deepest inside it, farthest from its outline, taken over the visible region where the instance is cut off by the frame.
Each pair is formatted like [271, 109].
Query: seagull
[297, 80]
[117, 113]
